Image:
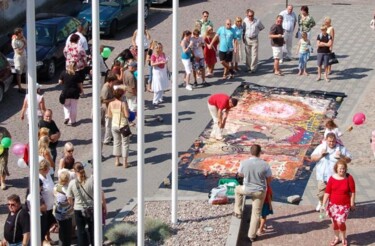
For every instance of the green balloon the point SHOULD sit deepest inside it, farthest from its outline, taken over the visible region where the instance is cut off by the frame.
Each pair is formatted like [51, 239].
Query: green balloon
[6, 142]
[106, 52]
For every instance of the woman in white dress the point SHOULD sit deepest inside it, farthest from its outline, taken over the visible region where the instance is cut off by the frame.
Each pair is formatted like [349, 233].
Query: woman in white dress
[160, 81]
[41, 107]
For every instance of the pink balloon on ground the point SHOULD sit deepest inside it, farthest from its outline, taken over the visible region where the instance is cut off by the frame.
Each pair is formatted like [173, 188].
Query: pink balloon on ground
[18, 149]
[359, 119]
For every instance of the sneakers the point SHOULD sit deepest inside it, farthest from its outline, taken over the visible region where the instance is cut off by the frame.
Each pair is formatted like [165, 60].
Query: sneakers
[205, 84]
[189, 88]
[195, 84]
[318, 207]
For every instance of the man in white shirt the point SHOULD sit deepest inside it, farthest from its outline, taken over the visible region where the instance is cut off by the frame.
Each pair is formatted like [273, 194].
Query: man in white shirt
[326, 155]
[289, 23]
[251, 28]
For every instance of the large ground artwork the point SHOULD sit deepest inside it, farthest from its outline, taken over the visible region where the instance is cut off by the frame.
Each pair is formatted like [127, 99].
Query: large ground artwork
[285, 122]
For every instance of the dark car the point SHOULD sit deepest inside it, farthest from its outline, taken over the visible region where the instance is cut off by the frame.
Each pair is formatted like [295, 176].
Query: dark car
[51, 32]
[114, 14]
[6, 76]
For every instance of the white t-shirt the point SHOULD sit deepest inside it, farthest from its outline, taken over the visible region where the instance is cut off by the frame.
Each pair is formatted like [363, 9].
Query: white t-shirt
[81, 42]
[198, 46]
[47, 192]
[38, 99]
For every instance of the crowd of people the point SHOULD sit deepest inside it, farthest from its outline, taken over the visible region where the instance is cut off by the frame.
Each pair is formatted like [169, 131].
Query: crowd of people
[335, 191]
[66, 204]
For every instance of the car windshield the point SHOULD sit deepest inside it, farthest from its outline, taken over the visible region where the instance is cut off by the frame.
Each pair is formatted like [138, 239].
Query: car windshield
[112, 3]
[45, 34]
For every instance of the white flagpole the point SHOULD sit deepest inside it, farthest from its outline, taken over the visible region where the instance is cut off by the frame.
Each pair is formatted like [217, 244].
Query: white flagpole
[140, 122]
[33, 128]
[174, 111]
[97, 156]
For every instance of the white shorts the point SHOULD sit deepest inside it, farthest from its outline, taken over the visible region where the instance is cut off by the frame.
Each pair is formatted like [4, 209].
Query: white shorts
[187, 65]
[277, 52]
[132, 103]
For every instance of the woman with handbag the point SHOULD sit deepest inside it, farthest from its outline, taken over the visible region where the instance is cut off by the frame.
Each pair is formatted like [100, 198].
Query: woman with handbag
[305, 22]
[80, 194]
[331, 32]
[119, 112]
[72, 82]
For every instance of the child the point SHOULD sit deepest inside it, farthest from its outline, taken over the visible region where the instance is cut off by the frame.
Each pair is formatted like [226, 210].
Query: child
[266, 210]
[372, 23]
[304, 53]
[148, 60]
[332, 127]
[116, 69]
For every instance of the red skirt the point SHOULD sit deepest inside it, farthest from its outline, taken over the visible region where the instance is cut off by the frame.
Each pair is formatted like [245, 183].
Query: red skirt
[338, 213]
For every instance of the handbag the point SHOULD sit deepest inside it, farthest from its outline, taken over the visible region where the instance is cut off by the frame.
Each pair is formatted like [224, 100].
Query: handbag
[332, 58]
[88, 212]
[62, 98]
[298, 34]
[125, 130]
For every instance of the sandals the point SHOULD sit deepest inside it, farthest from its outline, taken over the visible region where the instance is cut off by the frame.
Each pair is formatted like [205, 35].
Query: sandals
[260, 232]
[344, 242]
[335, 241]
[238, 216]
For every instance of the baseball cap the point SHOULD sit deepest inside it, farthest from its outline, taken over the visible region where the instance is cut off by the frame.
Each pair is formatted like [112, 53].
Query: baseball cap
[133, 64]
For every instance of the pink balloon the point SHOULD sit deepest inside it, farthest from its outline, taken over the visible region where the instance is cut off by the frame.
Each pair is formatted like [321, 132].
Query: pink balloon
[359, 118]
[18, 149]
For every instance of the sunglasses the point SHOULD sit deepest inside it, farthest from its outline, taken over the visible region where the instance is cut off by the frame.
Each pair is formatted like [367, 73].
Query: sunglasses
[250, 16]
[205, 15]
[12, 204]
[70, 151]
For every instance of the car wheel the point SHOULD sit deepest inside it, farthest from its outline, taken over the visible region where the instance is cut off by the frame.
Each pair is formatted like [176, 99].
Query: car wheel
[1, 93]
[147, 11]
[51, 69]
[113, 29]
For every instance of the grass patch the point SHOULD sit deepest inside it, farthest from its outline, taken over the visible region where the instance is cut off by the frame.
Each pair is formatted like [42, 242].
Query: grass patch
[125, 233]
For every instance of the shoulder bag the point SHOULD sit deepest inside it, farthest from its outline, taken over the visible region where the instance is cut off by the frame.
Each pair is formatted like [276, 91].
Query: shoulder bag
[332, 58]
[62, 98]
[88, 212]
[125, 130]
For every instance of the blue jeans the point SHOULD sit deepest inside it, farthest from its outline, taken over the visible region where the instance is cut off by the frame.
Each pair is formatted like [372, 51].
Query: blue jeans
[81, 222]
[303, 57]
[15, 244]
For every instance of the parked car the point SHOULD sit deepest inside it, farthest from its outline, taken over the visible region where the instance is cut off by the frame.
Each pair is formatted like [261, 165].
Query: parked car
[6, 77]
[114, 14]
[51, 32]
[168, 2]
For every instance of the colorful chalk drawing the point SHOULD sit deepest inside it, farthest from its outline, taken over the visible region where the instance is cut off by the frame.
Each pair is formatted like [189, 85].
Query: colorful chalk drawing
[286, 126]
